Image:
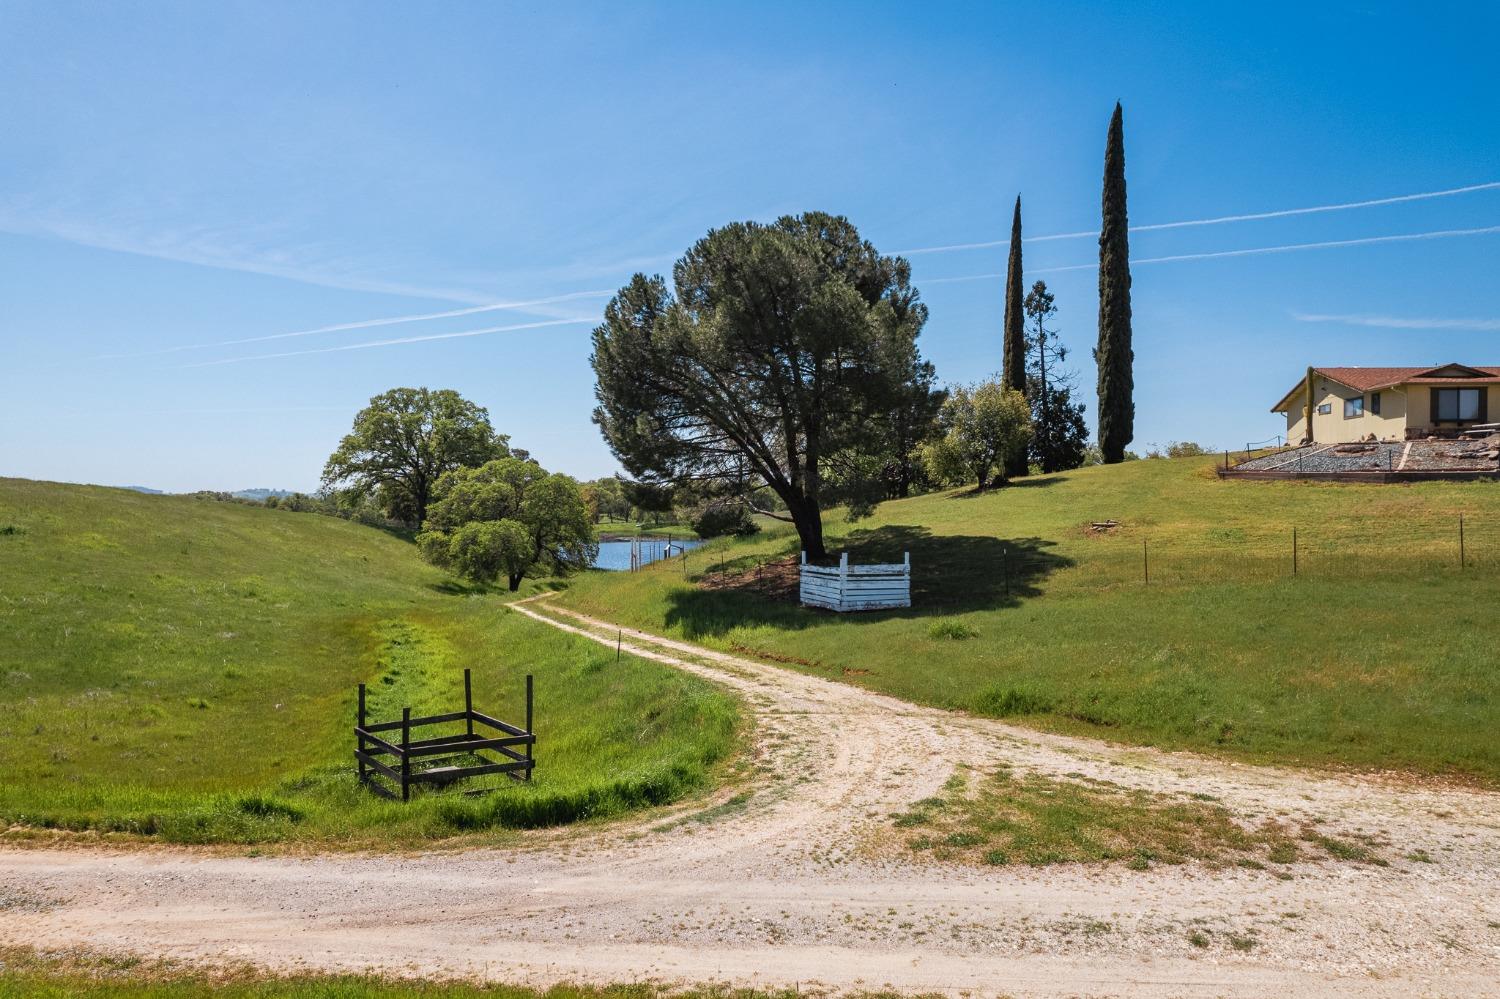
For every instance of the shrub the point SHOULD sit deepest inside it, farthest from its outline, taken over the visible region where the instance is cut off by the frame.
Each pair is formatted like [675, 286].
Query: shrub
[947, 627]
[724, 517]
[1008, 702]
[1178, 449]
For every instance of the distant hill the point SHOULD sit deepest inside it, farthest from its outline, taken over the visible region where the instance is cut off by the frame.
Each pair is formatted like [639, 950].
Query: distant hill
[261, 494]
[145, 489]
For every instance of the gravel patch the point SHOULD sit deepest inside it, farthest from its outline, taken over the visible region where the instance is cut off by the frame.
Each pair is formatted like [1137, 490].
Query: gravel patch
[1385, 456]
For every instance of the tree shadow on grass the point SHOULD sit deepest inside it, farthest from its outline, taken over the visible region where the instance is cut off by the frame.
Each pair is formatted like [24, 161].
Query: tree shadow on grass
[951, 574]
[1029, 482]
[460, 588]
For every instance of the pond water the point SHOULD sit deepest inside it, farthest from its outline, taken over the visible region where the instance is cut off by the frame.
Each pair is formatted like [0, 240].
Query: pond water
[615, 555]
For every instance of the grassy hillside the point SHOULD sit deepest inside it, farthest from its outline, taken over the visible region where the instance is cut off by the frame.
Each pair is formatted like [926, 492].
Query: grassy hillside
[187, 668]
[1379, 653]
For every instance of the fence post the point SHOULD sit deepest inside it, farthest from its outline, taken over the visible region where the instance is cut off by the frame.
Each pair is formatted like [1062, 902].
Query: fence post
[405, 756]
[619, 640]
[528, 726]
[360, 735]
[468, 704]
[1294, 551]
[1005, 567]
[1460, 541]
[1146, 561]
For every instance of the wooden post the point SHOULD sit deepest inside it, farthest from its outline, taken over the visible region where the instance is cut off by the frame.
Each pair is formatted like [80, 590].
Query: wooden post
[468, 704]
[1294, 551]
[360, 736]
[1460, 541]
[528, 724]
[1005, 567]
[619, 640]
[1307, 409]
[1145, 562]
[405, 756]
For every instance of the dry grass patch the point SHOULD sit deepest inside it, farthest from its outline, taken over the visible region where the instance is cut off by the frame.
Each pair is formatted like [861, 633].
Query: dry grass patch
[31, 974]
[1003, 818]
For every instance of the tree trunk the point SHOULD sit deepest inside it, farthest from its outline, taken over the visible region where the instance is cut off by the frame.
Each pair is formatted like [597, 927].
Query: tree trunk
[808, 520]
[515, 582]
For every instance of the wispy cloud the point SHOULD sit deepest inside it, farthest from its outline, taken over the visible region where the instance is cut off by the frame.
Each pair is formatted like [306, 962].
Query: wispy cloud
[366, 324]
[400, 340]
[246, 249]
[1217, 220]
[1252, 251]
[1400, 322]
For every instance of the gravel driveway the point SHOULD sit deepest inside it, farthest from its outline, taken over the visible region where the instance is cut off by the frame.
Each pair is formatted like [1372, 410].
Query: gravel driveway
[781, 890]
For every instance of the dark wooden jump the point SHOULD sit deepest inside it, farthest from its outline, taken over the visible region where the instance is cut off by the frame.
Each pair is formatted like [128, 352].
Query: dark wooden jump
[514, 744]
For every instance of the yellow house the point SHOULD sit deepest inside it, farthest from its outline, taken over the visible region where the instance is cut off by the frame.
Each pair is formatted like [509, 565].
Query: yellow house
[1337, 405]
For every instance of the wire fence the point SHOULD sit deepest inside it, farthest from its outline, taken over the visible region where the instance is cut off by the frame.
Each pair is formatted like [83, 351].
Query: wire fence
[964, 571]
[1164, 557]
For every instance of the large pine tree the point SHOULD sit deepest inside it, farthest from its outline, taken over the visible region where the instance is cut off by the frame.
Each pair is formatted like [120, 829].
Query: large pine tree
[1114, 355]
[1013, 369]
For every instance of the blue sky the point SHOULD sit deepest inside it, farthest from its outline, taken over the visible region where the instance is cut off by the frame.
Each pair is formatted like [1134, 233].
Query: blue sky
[177, 176]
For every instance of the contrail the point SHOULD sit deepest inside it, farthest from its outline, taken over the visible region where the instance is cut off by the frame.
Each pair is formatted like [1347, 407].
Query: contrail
[1217, 220]
[1400, 323]
[389, 343]
[365, 324]
[1364, 241]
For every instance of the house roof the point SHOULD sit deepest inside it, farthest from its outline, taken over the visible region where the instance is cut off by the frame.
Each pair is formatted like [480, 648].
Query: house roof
[1375, 379]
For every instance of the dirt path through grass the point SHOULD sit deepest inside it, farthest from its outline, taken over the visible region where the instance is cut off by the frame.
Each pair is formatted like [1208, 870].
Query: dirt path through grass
[801, 877]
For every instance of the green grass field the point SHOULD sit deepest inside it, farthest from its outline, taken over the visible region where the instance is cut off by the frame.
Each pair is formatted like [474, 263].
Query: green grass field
[1379, 654]
[184, 668]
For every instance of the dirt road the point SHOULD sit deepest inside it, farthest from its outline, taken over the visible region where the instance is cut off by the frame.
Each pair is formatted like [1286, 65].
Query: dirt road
[776, 890]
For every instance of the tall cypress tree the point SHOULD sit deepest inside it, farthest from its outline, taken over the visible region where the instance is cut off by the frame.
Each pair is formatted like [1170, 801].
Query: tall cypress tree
[1114, 355]
[1013, 369]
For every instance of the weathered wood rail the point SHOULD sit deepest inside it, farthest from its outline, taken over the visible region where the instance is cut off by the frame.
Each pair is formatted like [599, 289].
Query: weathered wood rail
[515, 743]
[846, 587]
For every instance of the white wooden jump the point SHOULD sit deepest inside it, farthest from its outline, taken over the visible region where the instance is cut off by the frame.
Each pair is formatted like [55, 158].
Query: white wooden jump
[856, 587]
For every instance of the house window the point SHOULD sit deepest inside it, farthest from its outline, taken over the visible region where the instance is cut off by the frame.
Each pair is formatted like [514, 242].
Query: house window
[1458, 405]
[1354, 408]
[1325, 409]
[1375, 403]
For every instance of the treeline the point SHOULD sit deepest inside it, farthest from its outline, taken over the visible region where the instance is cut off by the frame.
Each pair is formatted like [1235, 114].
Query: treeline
[329, 503]
[709, 512]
